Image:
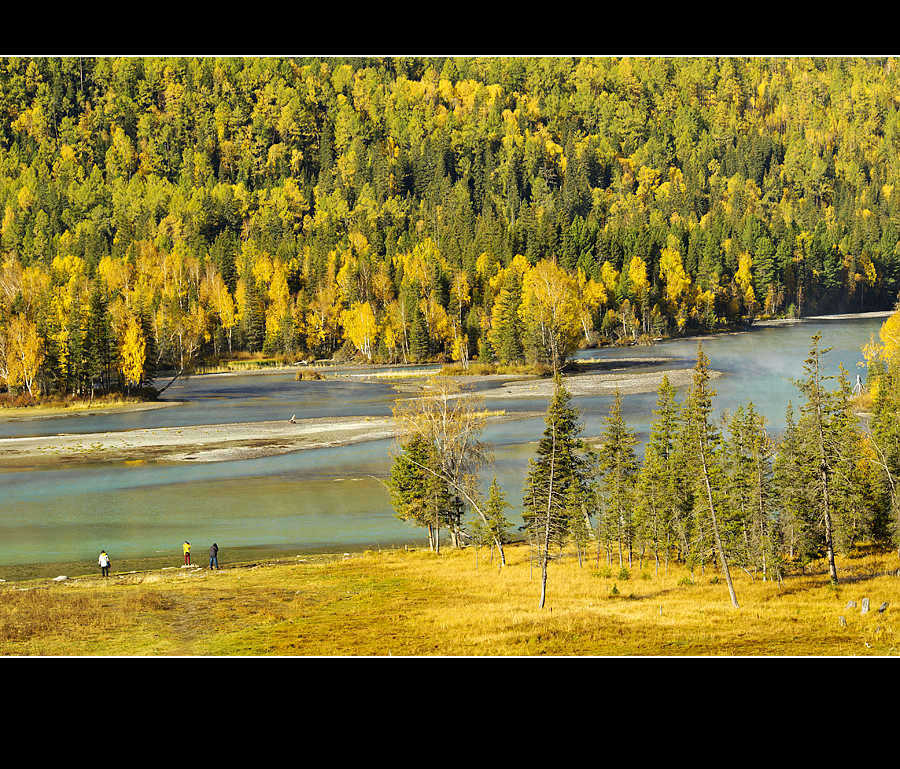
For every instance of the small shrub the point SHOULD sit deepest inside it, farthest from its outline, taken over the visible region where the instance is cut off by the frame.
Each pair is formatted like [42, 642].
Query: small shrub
[604, 573]
[714, 580]
[685, 581]
[614, 590]
[624, 574]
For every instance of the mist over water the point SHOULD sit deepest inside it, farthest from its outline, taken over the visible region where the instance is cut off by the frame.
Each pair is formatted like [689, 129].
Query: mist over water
[334, 497]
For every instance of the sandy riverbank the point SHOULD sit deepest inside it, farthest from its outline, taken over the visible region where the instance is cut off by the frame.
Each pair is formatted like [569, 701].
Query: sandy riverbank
[249, 440]
[813, 318]
[201, 443]
[595, 383]
[195, 443]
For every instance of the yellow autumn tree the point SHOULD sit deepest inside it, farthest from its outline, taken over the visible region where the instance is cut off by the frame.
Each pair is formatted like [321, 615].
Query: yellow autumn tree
[744, 279]
[549, 312]
[677, 283]
[640, 287]
[24, 353]
[360, 327]
[278, 307]
[437, 322]
[460, 293]
[609, 275]
[214, 292]
[888, 351]
[590, 295]
[394, 329]
[323, 313]
[133, 353]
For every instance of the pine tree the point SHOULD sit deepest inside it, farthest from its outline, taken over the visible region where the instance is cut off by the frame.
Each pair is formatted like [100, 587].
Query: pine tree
[496, 525]
[418, 333]
[99, 342]
[576, 515]
[706, 443]
[505, 335]
[418, 494]
[855, 488]
[657, 483]
[885, 440]
[792, 478]
[560, 463]
[748, 457]
[618, 467]
[820, 427]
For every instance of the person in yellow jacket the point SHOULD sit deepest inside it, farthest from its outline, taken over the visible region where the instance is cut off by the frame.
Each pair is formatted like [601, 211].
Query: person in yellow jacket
[187, 553]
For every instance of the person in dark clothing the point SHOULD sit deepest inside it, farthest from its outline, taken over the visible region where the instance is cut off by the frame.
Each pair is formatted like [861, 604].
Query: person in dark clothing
[214, 556]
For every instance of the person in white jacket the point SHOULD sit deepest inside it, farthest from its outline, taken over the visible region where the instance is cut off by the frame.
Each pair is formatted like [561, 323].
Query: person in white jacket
[104, 563]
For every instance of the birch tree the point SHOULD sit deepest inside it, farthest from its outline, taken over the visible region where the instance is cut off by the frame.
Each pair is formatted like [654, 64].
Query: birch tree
[450, 421]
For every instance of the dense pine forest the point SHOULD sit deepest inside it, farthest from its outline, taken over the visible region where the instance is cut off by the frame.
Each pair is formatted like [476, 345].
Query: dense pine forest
[160, 212]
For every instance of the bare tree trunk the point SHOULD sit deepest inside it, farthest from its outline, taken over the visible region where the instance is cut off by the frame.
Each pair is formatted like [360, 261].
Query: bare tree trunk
[829, 533]
[823, 471]
[545, 555]
[723, 562]
[168, 385]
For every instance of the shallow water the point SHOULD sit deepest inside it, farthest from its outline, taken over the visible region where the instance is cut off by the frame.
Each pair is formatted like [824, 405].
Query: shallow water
[333, 498]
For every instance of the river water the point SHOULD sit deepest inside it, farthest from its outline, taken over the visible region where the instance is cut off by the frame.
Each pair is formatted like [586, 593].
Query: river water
[334, 499]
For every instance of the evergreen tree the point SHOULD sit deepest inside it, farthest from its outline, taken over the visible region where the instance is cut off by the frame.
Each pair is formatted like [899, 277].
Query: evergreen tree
[418, 494]
[576, 514]
[748, 457]
[885, 439]
[618, 467]
[496, 525]
[706, 443]
[506, 326]
[658, 484]
[792, 478]
[560, 464]
[99, 344]
[820, 427]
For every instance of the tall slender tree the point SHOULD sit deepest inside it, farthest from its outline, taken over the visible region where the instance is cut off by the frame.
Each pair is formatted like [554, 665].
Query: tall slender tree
[618, 467]
[819, 418]
[705, 440]
[559, 465]
[658, 486]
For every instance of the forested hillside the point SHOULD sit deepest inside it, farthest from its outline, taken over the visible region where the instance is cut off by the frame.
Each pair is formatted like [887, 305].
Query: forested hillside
[157, 212]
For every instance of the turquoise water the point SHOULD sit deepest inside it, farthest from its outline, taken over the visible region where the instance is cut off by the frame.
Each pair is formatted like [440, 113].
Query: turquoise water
[334, 498]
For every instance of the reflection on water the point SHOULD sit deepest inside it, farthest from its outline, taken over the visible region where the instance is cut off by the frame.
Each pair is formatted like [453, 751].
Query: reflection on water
[332, 497]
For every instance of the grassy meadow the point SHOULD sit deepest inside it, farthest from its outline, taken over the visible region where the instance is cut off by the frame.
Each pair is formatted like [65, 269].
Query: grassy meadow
[417, 603]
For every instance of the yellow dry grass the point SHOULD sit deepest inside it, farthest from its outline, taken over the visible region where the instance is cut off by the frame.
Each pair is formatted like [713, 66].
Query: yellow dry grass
[418, 603]
[476, 368]
[56, 406]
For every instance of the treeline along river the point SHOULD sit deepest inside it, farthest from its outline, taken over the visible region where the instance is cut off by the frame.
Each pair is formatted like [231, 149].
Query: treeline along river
[331, 499]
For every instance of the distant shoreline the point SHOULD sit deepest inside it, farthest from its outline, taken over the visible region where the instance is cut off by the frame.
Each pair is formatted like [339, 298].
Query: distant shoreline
[845, 316]
[388, 370]
[28, 413]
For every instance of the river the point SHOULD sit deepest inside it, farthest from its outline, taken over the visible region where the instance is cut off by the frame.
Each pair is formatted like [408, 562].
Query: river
[333, 499]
